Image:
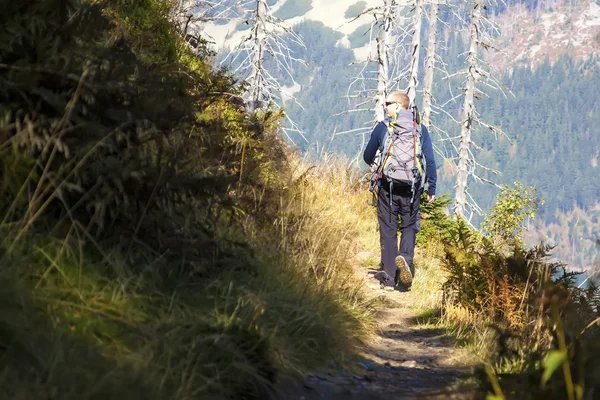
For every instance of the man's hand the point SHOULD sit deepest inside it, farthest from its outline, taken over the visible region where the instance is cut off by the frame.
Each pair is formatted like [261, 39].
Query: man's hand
[430, 198]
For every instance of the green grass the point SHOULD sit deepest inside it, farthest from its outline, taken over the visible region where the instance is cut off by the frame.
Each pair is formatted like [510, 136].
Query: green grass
[91, 330]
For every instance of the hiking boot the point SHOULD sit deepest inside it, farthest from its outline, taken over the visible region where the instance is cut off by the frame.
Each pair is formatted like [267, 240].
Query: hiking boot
[381, 276]
[404, 274]
[403, 288]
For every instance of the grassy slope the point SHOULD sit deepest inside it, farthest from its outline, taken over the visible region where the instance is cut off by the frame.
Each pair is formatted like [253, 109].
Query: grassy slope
[187, 253]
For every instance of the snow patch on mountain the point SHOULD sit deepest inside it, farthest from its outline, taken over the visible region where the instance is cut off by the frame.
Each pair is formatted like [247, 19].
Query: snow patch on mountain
[332, 14]
[288, 92]
[329, 12]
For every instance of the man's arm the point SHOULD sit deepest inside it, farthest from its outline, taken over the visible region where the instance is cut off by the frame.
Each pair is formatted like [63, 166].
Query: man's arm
[431, 171]
[374, 143]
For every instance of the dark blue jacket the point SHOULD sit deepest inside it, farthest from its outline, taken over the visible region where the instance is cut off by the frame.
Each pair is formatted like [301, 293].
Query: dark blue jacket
[376, 142]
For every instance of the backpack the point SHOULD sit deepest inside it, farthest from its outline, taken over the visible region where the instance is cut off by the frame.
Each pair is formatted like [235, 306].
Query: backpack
[400, 159]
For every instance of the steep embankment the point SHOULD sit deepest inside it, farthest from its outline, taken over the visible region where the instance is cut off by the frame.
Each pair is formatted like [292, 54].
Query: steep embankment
[156, 241]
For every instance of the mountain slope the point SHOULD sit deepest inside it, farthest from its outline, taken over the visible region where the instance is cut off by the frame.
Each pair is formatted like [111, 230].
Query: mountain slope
[528, 37]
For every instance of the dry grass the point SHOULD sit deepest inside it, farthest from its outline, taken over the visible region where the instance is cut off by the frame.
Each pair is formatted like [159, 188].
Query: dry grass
[429, 277]
[234, 334]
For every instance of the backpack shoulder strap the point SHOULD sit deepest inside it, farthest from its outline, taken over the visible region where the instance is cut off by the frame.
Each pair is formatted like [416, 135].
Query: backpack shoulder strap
[422, 159]
[386, 136]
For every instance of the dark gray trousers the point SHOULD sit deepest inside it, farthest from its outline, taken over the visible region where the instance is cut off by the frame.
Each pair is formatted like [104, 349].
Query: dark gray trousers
[388, 216]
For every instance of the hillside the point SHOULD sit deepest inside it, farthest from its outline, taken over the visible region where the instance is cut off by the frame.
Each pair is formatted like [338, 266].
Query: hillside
[338, 15]
[156, 241]
[529, 33]
[529, 37]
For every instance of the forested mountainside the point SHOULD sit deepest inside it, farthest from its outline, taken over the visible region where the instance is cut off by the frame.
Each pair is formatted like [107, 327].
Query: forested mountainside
[548, 110]
[552, 123]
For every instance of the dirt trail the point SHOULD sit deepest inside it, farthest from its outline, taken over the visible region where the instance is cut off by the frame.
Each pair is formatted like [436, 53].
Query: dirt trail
[404, 361]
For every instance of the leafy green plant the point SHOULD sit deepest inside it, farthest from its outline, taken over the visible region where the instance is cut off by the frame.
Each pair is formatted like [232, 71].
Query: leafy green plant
[512, 206]
[564, 368]
[539, 317]
[436, 224]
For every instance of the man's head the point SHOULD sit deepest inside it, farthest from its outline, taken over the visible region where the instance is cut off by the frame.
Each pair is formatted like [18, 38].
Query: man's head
[395, 101]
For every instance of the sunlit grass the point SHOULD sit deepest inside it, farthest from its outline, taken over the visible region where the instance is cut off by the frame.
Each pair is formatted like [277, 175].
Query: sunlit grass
[429, 277]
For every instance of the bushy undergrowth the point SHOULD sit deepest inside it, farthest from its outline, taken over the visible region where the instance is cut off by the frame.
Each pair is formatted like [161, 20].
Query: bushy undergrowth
[521, 310]
[435, 227]
[156, 241]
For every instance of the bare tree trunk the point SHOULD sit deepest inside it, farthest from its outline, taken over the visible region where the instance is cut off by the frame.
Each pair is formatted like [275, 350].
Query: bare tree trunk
[383, 47]
[267, 36]
[259, 39]
[468, 114]
[430, 64]
[416, 48]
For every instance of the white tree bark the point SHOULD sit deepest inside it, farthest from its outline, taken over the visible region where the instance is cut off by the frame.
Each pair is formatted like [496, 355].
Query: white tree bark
[430, 64]
[464, 158]
[383, 68]
[268, 37]
[259, 40]
[413, 80]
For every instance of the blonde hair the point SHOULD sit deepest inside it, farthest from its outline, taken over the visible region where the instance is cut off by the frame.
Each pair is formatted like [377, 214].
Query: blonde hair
[400, 97]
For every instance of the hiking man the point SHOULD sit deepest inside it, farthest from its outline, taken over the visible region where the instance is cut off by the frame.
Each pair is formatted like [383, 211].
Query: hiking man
[406, 163]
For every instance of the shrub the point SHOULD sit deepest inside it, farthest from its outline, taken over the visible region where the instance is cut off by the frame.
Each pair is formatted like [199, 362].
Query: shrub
[512, 206]
[532, 305]
[435, 223]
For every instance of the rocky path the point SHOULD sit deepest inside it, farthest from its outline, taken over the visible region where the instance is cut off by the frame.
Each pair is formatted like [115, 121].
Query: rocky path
[406, 360]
